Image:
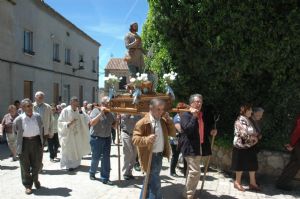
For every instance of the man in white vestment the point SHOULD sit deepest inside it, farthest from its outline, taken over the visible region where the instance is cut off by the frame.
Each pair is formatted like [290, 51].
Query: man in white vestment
[73, 134]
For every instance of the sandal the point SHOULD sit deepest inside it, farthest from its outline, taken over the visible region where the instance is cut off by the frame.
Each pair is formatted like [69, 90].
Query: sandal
[238, 186]
[254, 188]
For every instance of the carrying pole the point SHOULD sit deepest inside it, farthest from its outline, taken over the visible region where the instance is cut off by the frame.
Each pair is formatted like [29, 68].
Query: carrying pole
[119, 155]
[216, 118]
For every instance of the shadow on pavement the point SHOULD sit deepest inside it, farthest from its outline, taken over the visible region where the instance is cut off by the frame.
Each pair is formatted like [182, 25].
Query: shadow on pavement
[208, 178]
[57, 172]
[5, 153]
[271, 190]
[87, 158]
[8, 168]
[137, 182]
[59, 191]
[82, 168]
[206, 195]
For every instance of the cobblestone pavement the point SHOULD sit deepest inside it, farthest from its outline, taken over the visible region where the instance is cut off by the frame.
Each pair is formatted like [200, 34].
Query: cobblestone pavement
[57, 183]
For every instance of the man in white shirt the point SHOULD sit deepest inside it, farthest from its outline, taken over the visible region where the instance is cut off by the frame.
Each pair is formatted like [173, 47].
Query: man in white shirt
[152, 131]
[29, 129]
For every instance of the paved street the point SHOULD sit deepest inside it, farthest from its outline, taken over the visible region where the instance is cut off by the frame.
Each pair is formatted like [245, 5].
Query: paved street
[57, 183]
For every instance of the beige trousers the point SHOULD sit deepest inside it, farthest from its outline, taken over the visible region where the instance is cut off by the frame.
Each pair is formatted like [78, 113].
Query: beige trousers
[193, 175]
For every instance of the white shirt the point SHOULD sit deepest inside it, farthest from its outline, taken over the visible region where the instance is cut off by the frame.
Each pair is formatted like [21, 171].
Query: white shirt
[30, 126]
[158, 145]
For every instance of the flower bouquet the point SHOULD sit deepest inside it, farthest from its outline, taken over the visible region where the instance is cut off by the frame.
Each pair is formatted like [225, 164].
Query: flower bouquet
[168, 79]
[140, 84]
[111, 80]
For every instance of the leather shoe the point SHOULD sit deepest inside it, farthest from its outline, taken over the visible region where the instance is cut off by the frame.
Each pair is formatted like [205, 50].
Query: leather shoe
[238, 186]
[254, 188]
[71, 169]
[37, 185]
[92, 177]
[108, 182]
[28, 191]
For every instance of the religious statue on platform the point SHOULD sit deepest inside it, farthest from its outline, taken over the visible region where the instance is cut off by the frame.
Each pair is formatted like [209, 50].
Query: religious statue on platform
[135, 55]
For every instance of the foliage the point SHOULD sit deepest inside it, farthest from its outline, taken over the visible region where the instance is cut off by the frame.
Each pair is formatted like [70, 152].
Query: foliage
[231, 52]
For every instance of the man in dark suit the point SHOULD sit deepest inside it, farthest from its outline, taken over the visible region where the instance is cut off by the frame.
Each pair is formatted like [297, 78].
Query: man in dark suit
[194, 141]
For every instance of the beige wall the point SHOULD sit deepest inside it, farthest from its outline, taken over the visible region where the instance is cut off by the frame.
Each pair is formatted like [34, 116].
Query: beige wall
[47, 27]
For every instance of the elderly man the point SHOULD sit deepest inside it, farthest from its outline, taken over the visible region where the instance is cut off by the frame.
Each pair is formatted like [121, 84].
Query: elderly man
[101, 122]
[151, 132]
[29, 129]
[84, 108]
[73, 132]
[129, 150]
[45, 111]
[194, 141]
[135, 54]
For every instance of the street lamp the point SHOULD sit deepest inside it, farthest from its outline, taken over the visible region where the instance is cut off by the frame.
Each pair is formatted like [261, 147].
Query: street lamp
[81, 67]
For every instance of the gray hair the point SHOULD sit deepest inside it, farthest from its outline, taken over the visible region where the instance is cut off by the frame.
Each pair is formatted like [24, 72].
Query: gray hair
[39, 93]
[74, 98]
[156, 102]
[63, 105]
[104, 100]
[192, 97]
[26, 101]
[257, 109]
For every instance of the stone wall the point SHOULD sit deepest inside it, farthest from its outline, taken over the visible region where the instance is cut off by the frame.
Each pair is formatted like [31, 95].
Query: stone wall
[269, 162]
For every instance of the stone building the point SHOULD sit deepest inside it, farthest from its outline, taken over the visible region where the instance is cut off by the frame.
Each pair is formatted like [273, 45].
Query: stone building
[42, 50]
[118, 67]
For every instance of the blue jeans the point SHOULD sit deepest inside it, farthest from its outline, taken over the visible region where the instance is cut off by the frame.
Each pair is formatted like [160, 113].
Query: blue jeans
[100, 149]
[154, 187]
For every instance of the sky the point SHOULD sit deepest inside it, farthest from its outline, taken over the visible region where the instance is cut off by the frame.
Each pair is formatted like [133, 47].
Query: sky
[106, 21]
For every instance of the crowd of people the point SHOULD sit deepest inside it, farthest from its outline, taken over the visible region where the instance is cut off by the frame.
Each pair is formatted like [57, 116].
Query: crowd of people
[78, 131]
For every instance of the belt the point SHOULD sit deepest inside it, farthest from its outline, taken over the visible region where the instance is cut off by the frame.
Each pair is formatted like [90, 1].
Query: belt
[157, 154]
[32, 138]
[98, 137]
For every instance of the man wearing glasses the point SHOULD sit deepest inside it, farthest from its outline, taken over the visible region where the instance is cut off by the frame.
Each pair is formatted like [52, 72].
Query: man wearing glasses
[151, 132]
[29, 129]
[194, 141]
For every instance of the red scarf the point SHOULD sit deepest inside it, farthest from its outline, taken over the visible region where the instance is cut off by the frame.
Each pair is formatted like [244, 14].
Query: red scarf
[201, 128]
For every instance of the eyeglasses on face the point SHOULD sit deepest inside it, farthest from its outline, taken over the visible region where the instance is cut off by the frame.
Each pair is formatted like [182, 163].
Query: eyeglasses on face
[198, 102]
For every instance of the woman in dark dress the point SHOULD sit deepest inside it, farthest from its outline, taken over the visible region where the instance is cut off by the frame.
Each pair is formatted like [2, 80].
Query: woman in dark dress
[244, 156]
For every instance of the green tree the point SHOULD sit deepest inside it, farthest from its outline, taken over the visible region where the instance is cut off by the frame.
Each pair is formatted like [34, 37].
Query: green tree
[231, 52]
